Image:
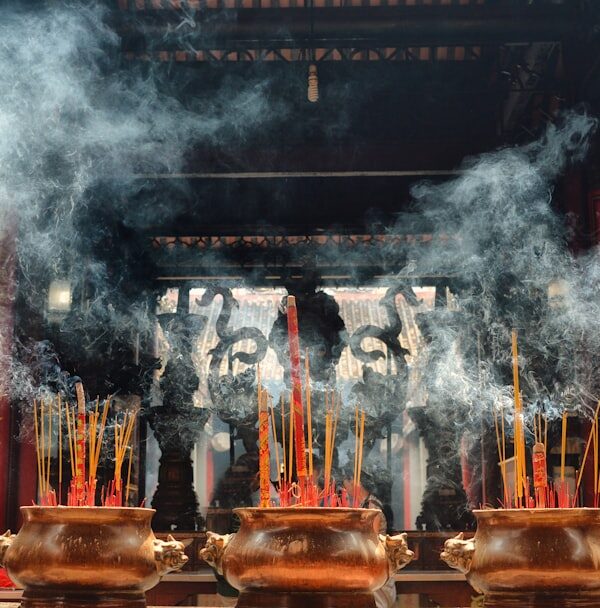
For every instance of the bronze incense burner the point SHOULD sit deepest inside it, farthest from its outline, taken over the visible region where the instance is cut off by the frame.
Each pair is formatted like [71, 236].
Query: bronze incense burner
[70, 557]
[297, 557]
[532, 558]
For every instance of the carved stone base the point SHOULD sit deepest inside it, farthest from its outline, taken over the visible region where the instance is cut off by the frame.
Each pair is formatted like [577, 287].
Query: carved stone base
[54, 599]
[251, 599]
[542, 600]
[175, 501]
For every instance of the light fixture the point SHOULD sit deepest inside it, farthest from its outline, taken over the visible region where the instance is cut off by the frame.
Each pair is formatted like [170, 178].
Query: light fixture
[220, 442]
[59, 296]
[313, 83]
[313, 78]
[558, 290]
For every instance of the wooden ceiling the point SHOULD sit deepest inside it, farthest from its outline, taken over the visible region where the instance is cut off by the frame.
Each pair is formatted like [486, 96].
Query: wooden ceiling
[408, 89]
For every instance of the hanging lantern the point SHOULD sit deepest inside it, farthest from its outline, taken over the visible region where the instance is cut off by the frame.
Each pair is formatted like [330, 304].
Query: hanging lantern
[313, 84]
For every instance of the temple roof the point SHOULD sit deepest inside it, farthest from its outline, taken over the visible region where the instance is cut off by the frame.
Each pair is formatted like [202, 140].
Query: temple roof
[258, 308]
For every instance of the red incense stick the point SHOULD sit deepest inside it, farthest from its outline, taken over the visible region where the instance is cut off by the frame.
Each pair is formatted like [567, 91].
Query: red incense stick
[80, 445]
[298, 409]
[263, 446]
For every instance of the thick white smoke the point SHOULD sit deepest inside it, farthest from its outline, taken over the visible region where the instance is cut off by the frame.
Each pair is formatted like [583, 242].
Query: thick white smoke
[495, 229]
[73, 124]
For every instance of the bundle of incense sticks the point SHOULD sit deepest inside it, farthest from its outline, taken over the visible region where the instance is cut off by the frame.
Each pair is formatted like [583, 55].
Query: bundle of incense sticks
[305, 491]
[540, 468]
[42, 422]
[591, 440]
[123, 433]
[332, 414]
[554, 494]
[293, 491]
[519, 431]
[82, 428]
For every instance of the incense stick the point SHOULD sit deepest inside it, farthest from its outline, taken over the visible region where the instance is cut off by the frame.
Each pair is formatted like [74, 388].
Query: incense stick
[518, 430]
[128, 475]
[563, 444]
[500, 456]
[275, 442]
[355, 478]
[60, 477]
[283, 437]
[43, 448]
[507, 495]
[328, 430]
[296, 378]
[331, 421]
[70, 437]
[49, 448]
[263, 446]
[308, 415]
[336, 415]
[361, 445]
[101, 432]
[37, 445]
[80, 444]
[595, 429]
[587, 448]
[291, 445]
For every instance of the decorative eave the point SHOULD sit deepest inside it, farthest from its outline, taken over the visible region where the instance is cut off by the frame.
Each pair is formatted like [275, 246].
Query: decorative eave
[261, 242]
[259, 260]
[289, 54]
[388, 29]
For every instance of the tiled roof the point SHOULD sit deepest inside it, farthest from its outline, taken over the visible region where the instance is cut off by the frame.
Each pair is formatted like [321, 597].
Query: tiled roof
[258, 308]
[290, 53]
[141, 5]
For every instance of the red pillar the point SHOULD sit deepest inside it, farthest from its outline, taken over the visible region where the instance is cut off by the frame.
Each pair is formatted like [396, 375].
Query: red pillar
[593, 217]
[594, 210]
[26, 490]
[7, 296]
[18, 466]
[574, 204]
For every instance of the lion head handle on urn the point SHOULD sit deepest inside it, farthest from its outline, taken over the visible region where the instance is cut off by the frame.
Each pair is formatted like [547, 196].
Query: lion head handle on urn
[5, 542]
[397, 551]
[214, 549]
[169, 555]
[458, 553]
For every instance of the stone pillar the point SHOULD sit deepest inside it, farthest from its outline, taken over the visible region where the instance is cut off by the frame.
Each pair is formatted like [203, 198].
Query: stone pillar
[7, 296]
[177, 424]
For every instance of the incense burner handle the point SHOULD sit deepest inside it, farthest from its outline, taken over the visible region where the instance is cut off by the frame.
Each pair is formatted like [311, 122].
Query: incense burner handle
[214, 550]
[169, 555]
[458, 553]
[397, 551]
[6, 540]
